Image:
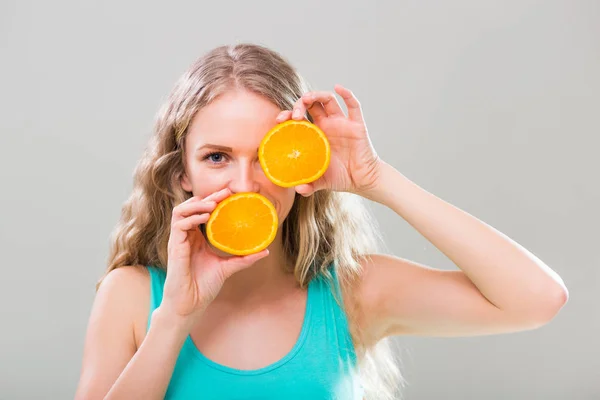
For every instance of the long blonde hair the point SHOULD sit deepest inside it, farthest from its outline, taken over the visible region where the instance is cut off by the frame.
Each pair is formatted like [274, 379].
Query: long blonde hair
[327, 228]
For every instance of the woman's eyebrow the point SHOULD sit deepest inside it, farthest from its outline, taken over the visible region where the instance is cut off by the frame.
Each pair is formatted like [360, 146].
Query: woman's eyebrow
[216, 147]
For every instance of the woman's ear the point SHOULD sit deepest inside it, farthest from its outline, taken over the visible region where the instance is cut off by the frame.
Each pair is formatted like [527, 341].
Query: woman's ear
[185, 183]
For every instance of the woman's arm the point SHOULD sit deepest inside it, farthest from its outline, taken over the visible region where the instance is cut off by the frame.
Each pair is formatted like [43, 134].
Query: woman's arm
[500, 286]
[113, 367]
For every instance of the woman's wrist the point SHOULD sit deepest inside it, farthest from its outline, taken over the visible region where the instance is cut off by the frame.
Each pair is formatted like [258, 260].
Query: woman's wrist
[175, 326]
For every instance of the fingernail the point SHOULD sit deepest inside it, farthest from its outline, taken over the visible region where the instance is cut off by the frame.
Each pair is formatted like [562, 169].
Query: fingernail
[296, 113]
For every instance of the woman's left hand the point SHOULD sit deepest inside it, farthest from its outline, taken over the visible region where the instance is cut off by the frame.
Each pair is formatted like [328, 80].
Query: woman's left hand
[354, 165]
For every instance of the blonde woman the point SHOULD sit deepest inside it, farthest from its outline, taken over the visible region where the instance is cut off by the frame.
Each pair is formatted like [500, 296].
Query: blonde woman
[310, 317]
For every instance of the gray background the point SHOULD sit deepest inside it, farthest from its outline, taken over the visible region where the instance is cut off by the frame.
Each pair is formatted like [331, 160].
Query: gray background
[492, 106]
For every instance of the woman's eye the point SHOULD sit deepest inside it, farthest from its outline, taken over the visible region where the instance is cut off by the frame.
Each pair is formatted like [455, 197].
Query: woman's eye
[215, 157]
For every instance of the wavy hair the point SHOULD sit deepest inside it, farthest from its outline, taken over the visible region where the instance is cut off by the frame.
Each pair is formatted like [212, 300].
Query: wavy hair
[327, 228]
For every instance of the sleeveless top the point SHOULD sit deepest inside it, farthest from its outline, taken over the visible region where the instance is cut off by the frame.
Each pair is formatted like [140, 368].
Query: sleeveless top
[321, 365]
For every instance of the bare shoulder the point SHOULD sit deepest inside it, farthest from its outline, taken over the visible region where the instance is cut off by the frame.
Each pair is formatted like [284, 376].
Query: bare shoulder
[116, 328]
[129, 276]
[389, 289]
[360, 298]
[125, 292]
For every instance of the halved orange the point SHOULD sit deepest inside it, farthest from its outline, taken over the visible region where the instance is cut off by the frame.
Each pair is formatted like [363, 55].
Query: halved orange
[294, 152]
[242, 224]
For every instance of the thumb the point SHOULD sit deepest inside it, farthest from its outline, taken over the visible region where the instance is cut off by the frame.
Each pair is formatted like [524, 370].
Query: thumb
[235, 264]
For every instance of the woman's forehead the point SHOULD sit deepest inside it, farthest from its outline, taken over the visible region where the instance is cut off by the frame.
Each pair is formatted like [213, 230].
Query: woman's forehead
[233, 116]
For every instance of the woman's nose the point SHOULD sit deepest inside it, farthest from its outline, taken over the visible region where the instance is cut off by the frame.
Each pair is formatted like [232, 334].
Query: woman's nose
[244, 179]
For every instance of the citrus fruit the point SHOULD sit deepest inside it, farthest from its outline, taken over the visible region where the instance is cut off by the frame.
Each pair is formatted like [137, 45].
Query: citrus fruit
[242, 224]
[293, 153]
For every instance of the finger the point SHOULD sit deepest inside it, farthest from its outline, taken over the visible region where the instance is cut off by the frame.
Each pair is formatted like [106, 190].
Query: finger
[235, 264]
[191, 223]
[216, 196]
[299, 110]
[187, 209]
[317, 111]
[197, 204]
[180, 229]
[220, 195]
[352, 103]
[327, 99]
[284, 116]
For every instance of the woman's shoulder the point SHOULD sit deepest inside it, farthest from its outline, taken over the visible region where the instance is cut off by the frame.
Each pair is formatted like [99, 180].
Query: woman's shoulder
[125, 293]
[360, 299]
[125, 279]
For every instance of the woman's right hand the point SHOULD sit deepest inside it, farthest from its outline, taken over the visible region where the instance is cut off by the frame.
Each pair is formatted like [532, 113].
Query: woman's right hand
[195, 273]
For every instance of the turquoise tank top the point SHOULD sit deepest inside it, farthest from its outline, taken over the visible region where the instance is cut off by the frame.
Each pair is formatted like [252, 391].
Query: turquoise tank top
[320, 366]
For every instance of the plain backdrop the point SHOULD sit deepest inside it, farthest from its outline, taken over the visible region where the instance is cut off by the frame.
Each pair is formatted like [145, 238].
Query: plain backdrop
[493, 106]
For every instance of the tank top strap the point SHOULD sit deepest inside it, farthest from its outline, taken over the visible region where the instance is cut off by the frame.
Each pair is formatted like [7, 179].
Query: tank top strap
[157, 282]
[329, 285]
[331, 313]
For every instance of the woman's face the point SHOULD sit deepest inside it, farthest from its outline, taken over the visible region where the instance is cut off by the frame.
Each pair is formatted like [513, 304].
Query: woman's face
[222, 149]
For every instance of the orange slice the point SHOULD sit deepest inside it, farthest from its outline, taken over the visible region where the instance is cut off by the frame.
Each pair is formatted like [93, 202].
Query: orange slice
[242, 224]
[293, 153]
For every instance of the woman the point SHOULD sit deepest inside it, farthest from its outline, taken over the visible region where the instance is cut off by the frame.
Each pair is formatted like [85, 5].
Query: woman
[310, 316]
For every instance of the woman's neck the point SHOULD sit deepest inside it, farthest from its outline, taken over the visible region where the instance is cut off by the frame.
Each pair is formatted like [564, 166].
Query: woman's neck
[265, 280]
